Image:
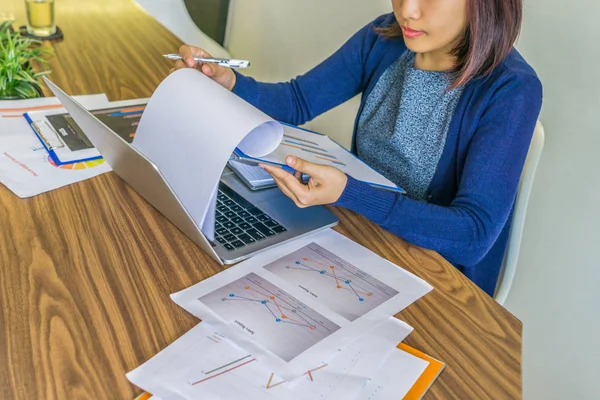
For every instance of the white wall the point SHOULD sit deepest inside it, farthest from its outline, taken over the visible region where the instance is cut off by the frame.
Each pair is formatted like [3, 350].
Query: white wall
[556, 292]
[285, 38]
[173, 15]
[557, 288]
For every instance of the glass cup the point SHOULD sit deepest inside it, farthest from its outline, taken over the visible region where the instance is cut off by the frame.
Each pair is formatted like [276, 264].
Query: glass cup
[41, 20]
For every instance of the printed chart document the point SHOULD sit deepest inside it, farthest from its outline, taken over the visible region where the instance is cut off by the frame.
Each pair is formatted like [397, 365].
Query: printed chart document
[25, 166]
[67, 143]
[203, 364]
[295, 304]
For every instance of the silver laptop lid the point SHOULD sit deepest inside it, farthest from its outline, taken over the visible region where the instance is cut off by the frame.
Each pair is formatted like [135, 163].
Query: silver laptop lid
[134, 168]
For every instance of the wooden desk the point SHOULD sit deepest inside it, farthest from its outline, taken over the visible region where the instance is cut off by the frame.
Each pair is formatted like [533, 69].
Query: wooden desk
[86, 271]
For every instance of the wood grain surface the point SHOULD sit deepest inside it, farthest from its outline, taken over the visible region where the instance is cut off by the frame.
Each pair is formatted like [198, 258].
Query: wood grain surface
[86, 270]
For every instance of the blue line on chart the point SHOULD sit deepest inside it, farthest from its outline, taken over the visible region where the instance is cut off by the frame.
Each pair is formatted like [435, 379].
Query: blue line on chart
[290, 322]
[265, 303]
[120, 113]
[306, 145]
[300, 139]
[274, 316]
[348, 283]
[296, 313]
[323, 272]
[339, 278]
[244, 298]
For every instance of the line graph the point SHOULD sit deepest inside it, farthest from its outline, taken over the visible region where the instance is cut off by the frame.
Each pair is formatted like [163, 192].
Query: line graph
[272, 317]
[315, 148]
[338, 284]
[227, 365]
[280, 316]
[341, 283]
[203, 364]
[223, 372]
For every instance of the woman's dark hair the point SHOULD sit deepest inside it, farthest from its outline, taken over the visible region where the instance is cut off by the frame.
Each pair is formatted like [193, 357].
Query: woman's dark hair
[492, 29]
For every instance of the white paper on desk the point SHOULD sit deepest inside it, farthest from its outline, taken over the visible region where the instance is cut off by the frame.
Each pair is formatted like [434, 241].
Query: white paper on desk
[25, 167]
[189, 129]
[60, 130]
[394, 378]
[290, 309]
[203, 364]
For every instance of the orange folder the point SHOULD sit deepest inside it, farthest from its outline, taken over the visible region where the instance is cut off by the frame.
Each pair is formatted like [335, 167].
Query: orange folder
[428, 376]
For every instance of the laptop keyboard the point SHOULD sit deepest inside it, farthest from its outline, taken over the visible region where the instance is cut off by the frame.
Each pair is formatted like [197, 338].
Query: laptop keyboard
[239, 223]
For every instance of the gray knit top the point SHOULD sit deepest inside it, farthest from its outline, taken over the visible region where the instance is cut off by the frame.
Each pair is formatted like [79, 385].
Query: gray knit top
[403, 126]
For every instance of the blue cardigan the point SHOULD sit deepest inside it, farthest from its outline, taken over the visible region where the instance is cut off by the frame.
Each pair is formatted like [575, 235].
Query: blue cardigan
[471, 196]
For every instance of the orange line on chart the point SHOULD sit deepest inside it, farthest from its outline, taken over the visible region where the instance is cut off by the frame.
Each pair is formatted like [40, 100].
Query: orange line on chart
[365, 293]
[126, 110]
[318, 368]
[283, 316]
[269, 386]
[309, 373]
[221, 373]
[254, 290]
[277, 305]
[47, 107]
[303, 323]
[335, 276]
[333, 161]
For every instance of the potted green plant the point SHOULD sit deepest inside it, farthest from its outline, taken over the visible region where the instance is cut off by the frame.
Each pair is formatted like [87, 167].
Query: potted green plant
[18, 80]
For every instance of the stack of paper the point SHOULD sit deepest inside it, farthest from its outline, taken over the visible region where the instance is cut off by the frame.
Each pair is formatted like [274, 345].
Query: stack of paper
[310, 319]
[25, 166]
[44, 149]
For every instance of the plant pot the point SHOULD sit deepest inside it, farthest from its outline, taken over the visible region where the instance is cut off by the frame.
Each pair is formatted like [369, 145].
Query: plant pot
[38, 89]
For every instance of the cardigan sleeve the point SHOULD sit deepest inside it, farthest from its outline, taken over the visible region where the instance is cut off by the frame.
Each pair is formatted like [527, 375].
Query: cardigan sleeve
[336, 80]
[464, 231]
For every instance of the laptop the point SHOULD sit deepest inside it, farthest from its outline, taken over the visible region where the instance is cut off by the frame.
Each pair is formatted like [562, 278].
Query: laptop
[247, 222]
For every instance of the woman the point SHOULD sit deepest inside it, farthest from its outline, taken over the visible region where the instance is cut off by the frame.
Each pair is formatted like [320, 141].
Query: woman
[448, 111]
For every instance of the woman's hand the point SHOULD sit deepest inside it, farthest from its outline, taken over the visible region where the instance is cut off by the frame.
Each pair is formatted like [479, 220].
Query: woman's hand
[325, 186]
[222, 75]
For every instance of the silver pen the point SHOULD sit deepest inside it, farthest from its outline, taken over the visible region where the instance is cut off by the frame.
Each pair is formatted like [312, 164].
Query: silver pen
[230, 63]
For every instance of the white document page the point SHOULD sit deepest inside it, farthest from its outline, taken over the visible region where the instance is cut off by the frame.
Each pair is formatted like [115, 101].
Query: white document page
[394, 378]
[203, 364]
[254, 175]
[295, 304]
[25, 166]
[189, 129]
